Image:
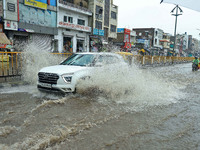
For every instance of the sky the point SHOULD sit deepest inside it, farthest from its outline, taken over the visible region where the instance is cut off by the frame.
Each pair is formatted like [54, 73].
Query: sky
[152, 14]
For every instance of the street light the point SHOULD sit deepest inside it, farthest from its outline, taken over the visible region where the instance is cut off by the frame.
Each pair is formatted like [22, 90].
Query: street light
[177, 8]
[100, 12]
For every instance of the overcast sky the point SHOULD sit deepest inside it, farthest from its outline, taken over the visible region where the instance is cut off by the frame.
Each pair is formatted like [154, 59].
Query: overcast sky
[150, 13]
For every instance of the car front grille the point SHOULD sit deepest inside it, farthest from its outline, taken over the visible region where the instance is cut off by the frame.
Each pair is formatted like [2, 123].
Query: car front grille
[50, 78]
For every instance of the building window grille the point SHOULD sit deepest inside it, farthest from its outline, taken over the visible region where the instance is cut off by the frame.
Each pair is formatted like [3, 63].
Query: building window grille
[113, 28]
[68, 19]
[98, 25]
[113, 15]
[98, 16]
[81, 22]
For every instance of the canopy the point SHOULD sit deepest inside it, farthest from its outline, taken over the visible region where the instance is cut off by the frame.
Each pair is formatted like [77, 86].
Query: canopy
[3, 39]
[191, 4]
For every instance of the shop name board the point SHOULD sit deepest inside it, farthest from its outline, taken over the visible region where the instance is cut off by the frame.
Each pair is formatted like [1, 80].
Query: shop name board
[75, 26]
[120, 30]
[98, 32]
[35, 4]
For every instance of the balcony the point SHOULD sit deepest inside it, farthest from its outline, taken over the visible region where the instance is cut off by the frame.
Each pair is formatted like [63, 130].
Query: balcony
[76, 8]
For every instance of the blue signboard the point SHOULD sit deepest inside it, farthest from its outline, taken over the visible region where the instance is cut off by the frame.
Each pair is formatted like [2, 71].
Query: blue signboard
[140, 40]
[120, 30]
[98, 32]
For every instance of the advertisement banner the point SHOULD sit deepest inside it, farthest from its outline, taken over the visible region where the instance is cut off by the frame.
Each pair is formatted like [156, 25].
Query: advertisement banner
[10, 25]
[127, 33]
[35, 3]
[120, 30]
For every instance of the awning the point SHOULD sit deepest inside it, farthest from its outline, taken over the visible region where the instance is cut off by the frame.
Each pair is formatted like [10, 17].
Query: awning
[3, 39]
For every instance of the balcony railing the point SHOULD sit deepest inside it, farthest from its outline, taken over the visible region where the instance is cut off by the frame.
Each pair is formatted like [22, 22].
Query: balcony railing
[74, 6]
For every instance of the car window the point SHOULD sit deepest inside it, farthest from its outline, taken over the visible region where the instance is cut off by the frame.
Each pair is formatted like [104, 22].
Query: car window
[107, 59]
[79, 60]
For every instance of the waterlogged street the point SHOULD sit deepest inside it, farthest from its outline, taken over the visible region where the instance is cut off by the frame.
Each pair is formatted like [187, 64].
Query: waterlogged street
[160, 110]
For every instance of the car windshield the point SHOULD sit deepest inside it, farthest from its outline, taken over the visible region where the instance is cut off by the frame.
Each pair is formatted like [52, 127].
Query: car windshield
[79, 60]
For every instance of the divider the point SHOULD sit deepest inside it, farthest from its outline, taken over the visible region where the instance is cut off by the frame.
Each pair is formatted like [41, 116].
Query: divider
[11, 63]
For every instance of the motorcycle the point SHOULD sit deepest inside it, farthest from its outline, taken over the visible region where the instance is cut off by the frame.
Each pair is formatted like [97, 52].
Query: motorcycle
[194, 67]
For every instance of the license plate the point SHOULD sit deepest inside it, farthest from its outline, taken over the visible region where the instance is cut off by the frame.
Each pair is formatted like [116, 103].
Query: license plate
[46, 85]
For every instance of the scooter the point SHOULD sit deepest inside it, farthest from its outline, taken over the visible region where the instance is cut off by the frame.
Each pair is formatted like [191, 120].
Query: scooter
[194, 67]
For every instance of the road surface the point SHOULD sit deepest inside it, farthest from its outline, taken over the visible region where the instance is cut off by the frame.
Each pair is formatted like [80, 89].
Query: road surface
[160, 110]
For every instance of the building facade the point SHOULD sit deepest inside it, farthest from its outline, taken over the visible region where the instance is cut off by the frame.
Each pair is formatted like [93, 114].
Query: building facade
[73, 28]
[30, 21]
[103, 22]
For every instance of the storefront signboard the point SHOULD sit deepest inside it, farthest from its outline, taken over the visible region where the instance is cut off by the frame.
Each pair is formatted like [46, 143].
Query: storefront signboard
[74, 26]
[10, 25]
[98, 32]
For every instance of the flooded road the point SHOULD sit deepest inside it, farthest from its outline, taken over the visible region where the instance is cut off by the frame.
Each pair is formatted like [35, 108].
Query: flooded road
[160, 111]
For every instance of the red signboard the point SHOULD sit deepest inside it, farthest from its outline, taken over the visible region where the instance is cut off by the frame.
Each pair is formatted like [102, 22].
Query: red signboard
[127, 34]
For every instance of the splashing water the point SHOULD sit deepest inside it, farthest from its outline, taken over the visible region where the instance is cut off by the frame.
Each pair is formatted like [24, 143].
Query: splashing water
[36, 58]
[132, 85]
[141, 87]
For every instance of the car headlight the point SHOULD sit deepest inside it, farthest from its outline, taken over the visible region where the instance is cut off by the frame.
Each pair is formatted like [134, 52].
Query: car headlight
[67, 77]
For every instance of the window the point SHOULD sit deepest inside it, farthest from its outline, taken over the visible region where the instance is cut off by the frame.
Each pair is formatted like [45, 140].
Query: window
[65, 19]
[107, 59]
[68, 19]
[113, 15]
[81, 4]
[81, 22]
[156, 41]
[156, 33]
[113, 28]
[98, 24]
[99, 11]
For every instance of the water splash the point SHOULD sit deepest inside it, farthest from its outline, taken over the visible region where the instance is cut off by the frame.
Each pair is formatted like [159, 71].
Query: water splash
[132, 85]
[36, 58]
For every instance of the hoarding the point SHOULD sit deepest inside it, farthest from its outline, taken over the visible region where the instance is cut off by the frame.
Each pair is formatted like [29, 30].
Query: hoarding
[127, 33]
[37, 16]
[35, 3]
[120, 30]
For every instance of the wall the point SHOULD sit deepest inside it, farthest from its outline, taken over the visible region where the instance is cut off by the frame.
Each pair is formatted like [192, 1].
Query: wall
[12, 13]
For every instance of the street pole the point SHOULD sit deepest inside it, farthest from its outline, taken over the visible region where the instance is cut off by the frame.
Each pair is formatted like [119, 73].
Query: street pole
[176, 15]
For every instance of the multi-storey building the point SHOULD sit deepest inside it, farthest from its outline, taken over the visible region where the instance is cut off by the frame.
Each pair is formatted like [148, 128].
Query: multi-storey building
[153, 35]
[30, 21]
[103, 22]
[73, 28]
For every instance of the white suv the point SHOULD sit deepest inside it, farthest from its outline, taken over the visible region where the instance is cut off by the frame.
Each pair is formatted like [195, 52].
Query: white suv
[64, 77]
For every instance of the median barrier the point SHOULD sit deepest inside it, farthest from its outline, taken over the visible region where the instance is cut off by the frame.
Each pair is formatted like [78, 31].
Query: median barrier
[11, 63]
